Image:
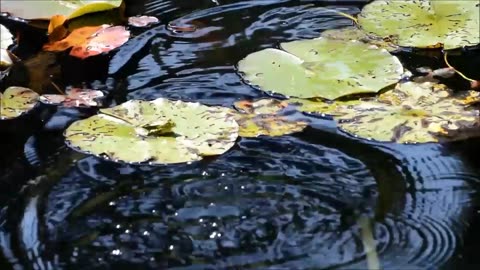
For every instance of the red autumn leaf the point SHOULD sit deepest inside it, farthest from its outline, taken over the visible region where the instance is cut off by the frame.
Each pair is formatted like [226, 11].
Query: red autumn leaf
[142, 21]
[75, 97]
[91, 40]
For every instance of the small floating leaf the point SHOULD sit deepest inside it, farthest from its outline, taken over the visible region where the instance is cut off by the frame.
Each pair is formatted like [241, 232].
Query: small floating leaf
[411, 113]
[142, 21]
[321, 68]
[91, 40]
[16, 101]
[161, 131]
[265, 117]
[74, 97]
[424, 24]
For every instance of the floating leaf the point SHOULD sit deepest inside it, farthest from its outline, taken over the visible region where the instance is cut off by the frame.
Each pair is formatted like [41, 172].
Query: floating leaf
[320, 106]
[265, 117]
[142, 21]
[75, 97]
[159, 132]
[45, 9]
[91, 40]
[411, 113]
[424, 24]
[321, 68]
[16, 101]
[352, 33]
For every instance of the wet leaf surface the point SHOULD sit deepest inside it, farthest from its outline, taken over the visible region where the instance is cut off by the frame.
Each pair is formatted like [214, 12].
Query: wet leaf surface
[158, 132]
[16, 101]
[266, 117]
[321, 68]
[91, 40]
[354, 33]
[44, 9]
[410, 113]
[424, 24]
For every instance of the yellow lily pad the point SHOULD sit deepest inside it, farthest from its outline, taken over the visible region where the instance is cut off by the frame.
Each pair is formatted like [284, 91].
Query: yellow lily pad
[16, 101]
[410, 113]
[160, 131]
[424, 24]
[321, 67]
[265, 117]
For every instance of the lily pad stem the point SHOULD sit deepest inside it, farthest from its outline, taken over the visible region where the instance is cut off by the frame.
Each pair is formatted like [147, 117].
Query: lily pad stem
[445, 54]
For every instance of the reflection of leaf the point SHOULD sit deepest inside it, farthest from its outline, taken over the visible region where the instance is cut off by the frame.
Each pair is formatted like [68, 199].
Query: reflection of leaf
[16, 101]
[142, 21]
[354, 33]
[411, 113]
[265, 117]
[321, 68]
[91, 40]
[159, 132]
[75, 97]
[44, 9]
[426, 23]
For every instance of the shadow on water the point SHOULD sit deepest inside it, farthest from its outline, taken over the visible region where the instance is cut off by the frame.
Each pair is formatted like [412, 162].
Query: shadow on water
[269, 203]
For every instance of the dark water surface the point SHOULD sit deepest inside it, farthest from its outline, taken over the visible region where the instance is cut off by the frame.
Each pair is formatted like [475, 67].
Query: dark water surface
[292, 202]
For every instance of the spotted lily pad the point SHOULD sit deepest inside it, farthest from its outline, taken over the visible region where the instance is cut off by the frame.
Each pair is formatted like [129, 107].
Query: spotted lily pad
[354, 33]
[16, 101]
[160, 131]
[268, 117]
[321, 68]
[424, 24]
[411, 113]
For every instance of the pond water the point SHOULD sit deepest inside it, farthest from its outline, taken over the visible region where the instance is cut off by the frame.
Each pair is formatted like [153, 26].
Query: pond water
[305, 201]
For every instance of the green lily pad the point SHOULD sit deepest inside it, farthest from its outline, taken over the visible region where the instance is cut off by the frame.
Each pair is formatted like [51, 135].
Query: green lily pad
[44, 9]
[265, 117]
[411, 113]
[354, 33]
[424, 24]
[16, 101]
[321, 68]
[160, 131]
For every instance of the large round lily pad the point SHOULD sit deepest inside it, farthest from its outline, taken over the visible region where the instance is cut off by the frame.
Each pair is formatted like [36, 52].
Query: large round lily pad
[425, 23]
[16, 101]
[161, 131]
[265, 117]
[321, 68]
[411, 113]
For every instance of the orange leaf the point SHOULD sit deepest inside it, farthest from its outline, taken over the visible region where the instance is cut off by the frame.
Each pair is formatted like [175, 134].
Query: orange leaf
[56, 30]
[91, 40]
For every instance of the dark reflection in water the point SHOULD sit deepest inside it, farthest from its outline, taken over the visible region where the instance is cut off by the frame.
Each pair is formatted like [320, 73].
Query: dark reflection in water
[291, 202]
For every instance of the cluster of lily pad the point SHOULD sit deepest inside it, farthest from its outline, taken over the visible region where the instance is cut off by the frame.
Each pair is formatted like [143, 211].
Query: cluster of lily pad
[322, 75]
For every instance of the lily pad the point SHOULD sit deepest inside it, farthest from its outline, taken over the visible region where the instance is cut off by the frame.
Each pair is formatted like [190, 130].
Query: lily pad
[424, 24]
[44, 9]
[267, 117]
[160, 131]
[354, 33]
[411, 113]
[16, 101]
[321, 68]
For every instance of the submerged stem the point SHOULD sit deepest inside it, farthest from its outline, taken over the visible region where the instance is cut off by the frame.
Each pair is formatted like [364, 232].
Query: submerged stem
[445, 54]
